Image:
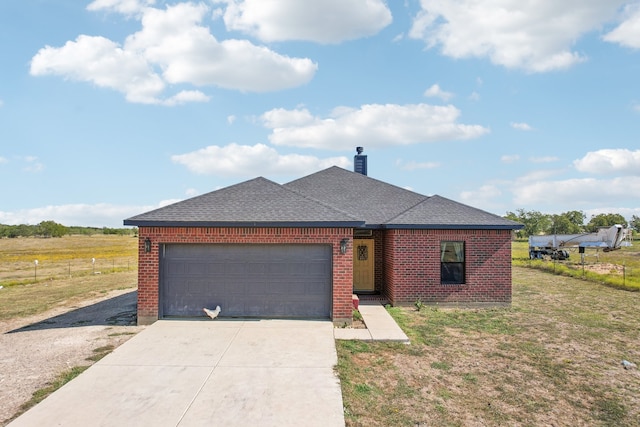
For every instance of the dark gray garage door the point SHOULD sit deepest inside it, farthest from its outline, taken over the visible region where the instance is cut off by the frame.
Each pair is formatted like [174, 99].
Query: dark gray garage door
[246, 280]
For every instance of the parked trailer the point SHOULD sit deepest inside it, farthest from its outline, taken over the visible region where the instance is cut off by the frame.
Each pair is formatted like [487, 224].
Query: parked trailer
[554, 245]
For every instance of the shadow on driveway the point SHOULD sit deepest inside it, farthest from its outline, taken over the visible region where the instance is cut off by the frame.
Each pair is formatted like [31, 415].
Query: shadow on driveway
[120, 310]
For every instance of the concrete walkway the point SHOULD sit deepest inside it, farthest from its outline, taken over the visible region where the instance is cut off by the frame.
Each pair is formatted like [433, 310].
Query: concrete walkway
[206, 373]
[380, 326]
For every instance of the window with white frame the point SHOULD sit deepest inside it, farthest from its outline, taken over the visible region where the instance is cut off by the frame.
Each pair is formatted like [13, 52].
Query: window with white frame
[452, 263]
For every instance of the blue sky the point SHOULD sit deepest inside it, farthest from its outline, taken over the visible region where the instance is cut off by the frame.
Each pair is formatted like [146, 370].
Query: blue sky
[110, 108]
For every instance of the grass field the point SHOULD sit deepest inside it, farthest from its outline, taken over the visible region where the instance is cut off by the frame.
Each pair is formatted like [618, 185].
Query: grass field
[64, 257]
[620, 268]
[552, 358]
[65, 271]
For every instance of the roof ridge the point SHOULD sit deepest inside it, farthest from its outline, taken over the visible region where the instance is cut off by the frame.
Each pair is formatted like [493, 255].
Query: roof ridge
[200, 196]
[409, 208]
[326, 205]
[358, 175]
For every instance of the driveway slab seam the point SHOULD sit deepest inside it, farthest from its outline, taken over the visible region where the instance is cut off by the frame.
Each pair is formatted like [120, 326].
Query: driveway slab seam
[204, 383]
[174, 374]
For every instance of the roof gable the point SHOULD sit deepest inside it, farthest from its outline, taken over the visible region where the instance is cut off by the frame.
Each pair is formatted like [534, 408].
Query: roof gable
[333, 197]
[443, 213]
[257, 202]
[361, 196]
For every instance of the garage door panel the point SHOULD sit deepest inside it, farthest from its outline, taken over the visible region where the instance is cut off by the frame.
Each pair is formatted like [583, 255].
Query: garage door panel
[247, 280]
[175, 267]
[232, 268]
[196, 268]
[313, 289]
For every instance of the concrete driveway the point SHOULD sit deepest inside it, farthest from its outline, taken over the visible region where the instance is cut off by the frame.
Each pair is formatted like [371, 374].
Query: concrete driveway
[206, 373]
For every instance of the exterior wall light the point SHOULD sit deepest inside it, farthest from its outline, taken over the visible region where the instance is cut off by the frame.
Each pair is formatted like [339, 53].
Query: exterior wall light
[147, 245]
[343, 245]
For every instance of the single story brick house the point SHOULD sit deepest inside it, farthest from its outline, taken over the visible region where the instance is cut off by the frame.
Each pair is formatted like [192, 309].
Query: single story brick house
[262, 249]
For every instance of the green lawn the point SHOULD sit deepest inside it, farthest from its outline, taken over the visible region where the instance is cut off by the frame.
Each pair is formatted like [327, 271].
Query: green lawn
[553, 358]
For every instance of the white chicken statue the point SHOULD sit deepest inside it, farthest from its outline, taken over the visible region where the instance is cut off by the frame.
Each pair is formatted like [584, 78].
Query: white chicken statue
[212, 313]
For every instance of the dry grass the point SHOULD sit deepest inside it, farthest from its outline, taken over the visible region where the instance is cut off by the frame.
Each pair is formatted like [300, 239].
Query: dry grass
[22, 295]
[619, 269]
[64, 257]
[553, 358]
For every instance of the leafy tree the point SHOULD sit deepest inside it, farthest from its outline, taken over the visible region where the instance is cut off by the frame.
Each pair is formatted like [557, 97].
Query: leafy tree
[51, 229]
[534, 222]
[635, 223]
[567, 223]
[119, 231]
[577, 219]
[605, 220]
[22, 230]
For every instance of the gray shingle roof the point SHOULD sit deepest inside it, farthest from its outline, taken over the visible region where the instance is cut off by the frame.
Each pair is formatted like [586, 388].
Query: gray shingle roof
[258, 202]
[439, 212]
[333, 197]
[361, 196]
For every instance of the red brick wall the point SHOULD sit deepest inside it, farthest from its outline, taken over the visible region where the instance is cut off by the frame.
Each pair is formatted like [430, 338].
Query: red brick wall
[378, 236]
[412, 266]
[149, 266]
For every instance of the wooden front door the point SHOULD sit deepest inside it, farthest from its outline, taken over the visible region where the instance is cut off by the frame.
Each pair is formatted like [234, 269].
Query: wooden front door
[363, 265]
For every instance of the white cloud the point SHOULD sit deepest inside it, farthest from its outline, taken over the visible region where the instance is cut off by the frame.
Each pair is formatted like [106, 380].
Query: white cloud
[322, 21]
[610, 161]
[413, 165]
[533, 36]
[544, 159]
[436, 92]
[186, 96]
[398, 38]
[96, 215]
[483, 196]
[231, 119]
[510, 158]
[173, 47]
[191, 192]
[372, 125]
[3, 160]
[536, 175]
[521, 126]
[259, 159]
[628, 32]
[33, 164]
[1, 103]
[126, 7]
[102, 62]
[578, 192]
[625, 212]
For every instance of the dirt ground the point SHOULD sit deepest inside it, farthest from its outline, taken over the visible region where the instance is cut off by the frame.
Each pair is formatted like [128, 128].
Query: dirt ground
[35, 350]
[604, 268]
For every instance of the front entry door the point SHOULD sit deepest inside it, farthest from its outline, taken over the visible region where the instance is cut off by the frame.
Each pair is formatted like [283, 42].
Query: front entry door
[363, 265]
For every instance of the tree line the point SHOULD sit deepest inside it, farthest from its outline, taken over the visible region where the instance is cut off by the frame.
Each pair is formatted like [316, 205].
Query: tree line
[571, 222]
[53, 229]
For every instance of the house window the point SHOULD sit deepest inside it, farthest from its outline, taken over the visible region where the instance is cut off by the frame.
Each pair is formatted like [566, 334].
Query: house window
[452, 263]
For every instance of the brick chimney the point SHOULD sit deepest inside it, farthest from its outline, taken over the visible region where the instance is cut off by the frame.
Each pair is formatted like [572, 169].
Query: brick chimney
[360, 161]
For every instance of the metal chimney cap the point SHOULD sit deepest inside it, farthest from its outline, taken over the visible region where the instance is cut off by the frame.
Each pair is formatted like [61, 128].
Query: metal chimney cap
[359, 150]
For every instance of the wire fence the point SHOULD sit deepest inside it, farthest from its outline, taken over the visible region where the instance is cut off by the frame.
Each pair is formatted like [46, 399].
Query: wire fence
[619, 275]
[16, 273]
